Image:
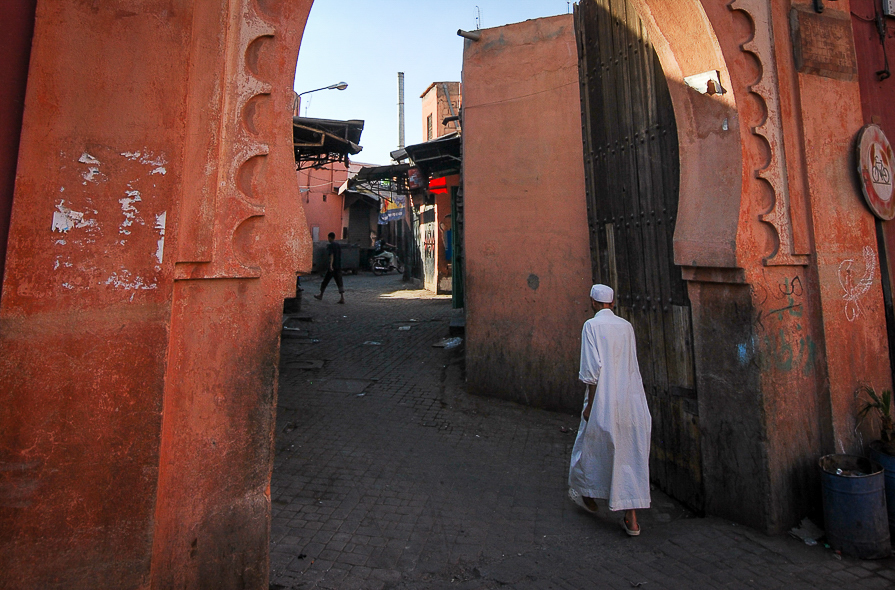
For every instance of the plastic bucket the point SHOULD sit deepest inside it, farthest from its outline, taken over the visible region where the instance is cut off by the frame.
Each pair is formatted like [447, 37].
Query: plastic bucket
[888, 463]
[854, 499]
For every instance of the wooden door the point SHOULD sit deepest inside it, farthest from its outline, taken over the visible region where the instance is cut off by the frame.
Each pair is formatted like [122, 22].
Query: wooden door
[359, 223]
[632, 172]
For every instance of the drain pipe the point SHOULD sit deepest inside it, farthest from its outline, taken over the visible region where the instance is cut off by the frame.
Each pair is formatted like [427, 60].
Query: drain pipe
[472, 36]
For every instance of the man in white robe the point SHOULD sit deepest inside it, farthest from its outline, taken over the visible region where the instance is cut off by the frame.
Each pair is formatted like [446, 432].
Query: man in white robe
[610, 459]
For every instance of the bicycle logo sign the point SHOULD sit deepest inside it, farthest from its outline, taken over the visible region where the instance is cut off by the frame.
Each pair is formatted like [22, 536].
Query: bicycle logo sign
[879, 174]
[876, 168]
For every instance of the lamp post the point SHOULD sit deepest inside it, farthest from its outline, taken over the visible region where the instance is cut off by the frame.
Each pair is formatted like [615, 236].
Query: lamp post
[336, 86]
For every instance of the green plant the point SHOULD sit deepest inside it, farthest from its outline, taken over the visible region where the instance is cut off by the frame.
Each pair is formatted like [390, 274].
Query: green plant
[881, 405]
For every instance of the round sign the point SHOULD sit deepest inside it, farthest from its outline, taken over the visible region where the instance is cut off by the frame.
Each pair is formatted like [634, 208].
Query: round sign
[876, 167]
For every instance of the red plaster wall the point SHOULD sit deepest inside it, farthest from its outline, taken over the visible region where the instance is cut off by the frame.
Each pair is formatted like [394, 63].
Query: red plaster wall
[429, 108]
[435, 103]
[811, 351]
[328, 215]
[877, 96]
[843, 227]
[154, 234]
[16, 29]
[810, 356]
[787, 344]
[528, 270]
[85, 311]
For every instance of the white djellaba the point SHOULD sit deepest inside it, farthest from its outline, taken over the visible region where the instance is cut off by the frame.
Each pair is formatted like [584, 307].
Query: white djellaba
[610, 459]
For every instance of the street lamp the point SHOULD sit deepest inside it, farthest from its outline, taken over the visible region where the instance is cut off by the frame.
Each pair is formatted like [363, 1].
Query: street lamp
[336, 86]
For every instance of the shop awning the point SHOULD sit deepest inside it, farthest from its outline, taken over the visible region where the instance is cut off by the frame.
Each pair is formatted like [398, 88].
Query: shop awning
[381, 181]
[438, 157]
[318, 142]
[382, 172]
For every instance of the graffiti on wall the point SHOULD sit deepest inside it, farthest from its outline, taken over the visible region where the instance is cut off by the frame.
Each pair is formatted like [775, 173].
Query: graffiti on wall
[855, 288]
[788, 293]
[789, 345]
[429, 241]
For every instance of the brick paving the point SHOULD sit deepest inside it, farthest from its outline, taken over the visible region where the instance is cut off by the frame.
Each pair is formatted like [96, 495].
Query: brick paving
[389, 476]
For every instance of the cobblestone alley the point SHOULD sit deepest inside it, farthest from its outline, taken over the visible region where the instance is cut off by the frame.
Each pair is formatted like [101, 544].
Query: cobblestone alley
[387, 475]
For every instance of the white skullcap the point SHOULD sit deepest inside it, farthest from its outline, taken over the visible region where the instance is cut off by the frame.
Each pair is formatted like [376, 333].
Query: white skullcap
[602, 294]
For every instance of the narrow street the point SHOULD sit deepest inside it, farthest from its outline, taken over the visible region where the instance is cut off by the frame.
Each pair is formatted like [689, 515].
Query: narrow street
[388, 475]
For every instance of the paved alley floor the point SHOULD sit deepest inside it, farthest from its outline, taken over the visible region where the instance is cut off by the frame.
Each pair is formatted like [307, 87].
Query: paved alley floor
[389, 476]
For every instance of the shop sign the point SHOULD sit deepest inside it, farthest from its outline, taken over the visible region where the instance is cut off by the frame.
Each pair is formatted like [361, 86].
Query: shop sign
[416, 179]
[392, 209]
[876, 169]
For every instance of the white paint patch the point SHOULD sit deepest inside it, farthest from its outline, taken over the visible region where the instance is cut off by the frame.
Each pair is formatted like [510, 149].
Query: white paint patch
[67, 286]
[88, 159]
[59, 263]
[61, 242]
[147, 157]
[160, 221]
[92, 174]
[127, 282]
[64, 219]
[153, 160]
[130, 212]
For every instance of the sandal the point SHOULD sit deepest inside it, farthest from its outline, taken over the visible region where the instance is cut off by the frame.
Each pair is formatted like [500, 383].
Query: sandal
[631, 532]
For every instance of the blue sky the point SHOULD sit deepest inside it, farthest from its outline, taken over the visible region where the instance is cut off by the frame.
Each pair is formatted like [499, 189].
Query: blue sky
[366, 44]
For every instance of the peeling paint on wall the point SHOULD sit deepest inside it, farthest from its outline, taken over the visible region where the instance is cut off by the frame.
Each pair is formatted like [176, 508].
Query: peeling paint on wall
[92, 174]
[102, 176]
[130, 212]
[160, 220]
[149, 158]
[64, 219]
[127, 281]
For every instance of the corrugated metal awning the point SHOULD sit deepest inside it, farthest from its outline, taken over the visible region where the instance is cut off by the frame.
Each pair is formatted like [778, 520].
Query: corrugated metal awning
[320, 141]
[438, 157]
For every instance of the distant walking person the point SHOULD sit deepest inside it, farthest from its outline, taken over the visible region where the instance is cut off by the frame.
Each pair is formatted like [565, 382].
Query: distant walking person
[334, 271]
[610, 459]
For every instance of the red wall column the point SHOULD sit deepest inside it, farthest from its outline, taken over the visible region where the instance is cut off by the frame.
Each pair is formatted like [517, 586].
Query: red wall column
[154, 235]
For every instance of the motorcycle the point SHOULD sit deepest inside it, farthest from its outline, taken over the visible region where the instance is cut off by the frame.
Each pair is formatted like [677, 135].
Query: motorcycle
[385, 261]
